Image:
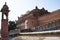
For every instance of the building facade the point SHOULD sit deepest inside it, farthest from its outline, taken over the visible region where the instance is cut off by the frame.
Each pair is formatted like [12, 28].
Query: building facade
[39, 19]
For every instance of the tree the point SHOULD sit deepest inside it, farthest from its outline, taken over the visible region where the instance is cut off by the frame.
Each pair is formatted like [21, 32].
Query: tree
[11, 25]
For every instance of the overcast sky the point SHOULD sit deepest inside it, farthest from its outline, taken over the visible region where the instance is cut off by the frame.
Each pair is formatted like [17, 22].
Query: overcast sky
[20, 7]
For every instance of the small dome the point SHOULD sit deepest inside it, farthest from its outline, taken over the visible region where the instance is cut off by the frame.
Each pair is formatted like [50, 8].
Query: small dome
[5, 6]
[36, 9]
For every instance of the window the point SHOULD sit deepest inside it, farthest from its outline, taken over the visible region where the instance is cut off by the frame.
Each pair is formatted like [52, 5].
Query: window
[26, 21]
[4, 16]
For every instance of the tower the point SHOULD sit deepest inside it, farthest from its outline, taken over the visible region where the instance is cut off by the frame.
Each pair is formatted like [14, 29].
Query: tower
[4, 22]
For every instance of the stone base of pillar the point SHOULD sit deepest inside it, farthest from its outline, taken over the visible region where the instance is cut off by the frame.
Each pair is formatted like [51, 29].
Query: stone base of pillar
[4, 29]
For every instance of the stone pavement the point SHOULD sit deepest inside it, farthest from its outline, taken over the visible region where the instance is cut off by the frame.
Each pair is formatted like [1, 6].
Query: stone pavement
[35, 38]
[32, 38]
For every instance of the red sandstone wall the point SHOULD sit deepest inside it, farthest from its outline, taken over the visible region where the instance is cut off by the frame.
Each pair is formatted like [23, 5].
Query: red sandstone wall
[32, 22]
[44, 19]
[4, 28]
[1, 39]
[49, 18]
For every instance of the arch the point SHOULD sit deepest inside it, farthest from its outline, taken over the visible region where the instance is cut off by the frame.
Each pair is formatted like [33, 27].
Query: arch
[4, 16]
[26, 21]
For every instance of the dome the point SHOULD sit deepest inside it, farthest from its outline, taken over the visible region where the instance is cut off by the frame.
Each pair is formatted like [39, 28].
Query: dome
[5, 6]
[35, 10]
[39, 12]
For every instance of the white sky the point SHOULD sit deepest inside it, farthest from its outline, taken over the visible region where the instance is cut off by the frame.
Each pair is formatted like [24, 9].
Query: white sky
[19, 7]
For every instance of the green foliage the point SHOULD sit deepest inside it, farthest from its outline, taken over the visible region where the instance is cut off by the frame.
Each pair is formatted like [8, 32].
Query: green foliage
[11, 25]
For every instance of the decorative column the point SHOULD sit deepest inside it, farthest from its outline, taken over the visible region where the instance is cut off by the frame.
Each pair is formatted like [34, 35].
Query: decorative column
[4, 22]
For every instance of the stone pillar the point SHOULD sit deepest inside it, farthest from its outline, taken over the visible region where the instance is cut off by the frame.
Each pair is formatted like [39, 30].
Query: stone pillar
[4, 29]
[4, 22]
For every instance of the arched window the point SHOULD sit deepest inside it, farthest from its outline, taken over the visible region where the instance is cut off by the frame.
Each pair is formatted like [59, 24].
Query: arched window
[26, 21]
[4, 16]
